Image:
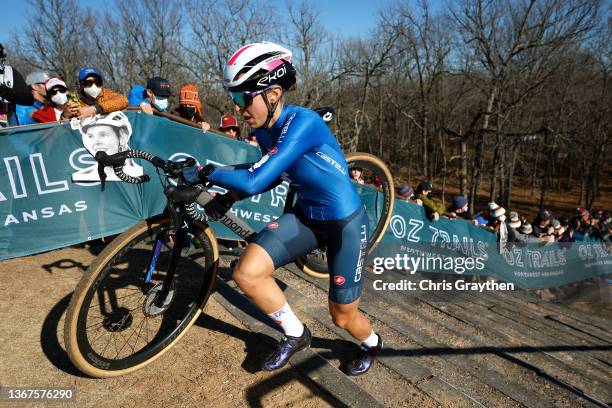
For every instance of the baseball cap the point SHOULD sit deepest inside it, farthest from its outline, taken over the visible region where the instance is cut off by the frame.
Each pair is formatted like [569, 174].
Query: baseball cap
[51, 82]
[85, 72]
[159, 86]
[424, 186]
[228, 121]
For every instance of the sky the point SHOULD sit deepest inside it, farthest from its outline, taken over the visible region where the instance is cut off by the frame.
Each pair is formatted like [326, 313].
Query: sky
[340, 17]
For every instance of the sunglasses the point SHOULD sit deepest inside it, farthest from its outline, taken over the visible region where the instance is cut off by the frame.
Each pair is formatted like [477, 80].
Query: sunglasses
[55, 91]
[91, 81]
[244, 99]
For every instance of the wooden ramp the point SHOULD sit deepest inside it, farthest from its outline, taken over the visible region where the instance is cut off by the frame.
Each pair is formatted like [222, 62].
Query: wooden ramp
[475, 349]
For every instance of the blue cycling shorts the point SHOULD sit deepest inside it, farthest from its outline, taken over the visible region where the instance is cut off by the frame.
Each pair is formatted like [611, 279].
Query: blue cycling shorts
[294, 235]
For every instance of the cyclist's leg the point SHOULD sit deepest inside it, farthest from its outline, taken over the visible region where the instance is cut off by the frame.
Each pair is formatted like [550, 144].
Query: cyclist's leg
[278, 244]
[346, 255]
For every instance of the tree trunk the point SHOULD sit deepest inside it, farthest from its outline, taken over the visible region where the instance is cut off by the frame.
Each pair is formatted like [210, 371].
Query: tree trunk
[463, 158]
[477, 167]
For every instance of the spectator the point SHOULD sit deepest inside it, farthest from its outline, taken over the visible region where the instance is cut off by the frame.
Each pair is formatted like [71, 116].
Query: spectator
[60, 106]
[156, 95]
[514, 220]
[252, 139]
[23, 113]
[137, 95]
[94, 98]
[541, 223]
[405, 192]
[432, 210]
[229, 126]
[190, 106]
[459, 208]
[356, 174]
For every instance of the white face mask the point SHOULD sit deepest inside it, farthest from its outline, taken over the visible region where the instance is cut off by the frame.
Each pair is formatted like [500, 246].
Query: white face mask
[60, 98]
[160, 103]
[93, 91]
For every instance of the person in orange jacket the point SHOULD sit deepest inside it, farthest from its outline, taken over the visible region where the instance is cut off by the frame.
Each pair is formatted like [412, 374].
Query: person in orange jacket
[96, 99]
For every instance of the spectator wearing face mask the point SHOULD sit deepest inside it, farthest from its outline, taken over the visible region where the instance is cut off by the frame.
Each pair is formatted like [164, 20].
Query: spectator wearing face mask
[156, 95]
[23, 113]
[190, 107]
[59, 107]
[96, 99]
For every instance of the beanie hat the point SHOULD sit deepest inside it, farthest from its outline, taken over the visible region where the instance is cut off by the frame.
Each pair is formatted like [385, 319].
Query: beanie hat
[526, 228]
[582, 212]
[515, 221]
[499, 212]
[556, 224]
[459, 202]
[492, 206]
[189, 96]
[405, 190]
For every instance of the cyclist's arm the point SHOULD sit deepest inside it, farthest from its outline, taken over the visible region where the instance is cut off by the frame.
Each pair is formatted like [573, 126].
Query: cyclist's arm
[269, 168]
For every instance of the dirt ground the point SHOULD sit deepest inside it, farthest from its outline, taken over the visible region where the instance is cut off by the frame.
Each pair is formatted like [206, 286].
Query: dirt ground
[214, 364]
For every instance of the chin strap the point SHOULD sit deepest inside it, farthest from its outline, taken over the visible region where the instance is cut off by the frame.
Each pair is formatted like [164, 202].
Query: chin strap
[271, 109]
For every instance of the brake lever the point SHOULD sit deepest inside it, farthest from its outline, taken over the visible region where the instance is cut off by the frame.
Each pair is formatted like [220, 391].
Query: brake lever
[104, 160]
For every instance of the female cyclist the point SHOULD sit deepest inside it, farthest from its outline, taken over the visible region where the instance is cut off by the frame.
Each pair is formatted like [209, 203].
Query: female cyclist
[297, 146]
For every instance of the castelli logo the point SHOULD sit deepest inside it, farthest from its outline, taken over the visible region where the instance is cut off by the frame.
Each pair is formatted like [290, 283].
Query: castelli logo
[338, 280]
[273, 225]
[272, 151]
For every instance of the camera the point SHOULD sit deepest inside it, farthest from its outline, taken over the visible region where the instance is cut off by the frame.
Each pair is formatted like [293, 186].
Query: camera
[6, 73]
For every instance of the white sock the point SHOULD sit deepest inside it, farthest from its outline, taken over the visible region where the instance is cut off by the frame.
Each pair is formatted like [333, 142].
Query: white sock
[286, 319]
[371, 341]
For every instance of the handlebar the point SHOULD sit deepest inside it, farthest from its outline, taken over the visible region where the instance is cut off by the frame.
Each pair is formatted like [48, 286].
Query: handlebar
[173, 169]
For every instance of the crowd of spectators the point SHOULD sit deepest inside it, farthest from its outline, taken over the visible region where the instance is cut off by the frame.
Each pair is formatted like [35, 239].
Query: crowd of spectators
[512, 227]
[53, 100]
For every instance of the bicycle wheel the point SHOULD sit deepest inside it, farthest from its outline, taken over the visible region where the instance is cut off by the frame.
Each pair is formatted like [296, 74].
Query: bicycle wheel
[117, 321]
[378, 195]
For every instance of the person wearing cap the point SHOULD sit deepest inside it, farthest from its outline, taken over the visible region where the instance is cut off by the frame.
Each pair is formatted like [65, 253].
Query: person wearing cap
[156, 95]
[459, 208]
[59, 106]
[190, 107]
[229, 126]
[23, 113]
[432, 209]
[94, 97]
[406, 193]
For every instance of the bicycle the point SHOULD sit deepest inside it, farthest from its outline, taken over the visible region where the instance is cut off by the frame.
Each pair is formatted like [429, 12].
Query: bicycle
[155, 277]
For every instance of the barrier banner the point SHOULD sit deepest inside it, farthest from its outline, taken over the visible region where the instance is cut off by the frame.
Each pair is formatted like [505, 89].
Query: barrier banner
[45, 202]
[50, 198]
[412, 243]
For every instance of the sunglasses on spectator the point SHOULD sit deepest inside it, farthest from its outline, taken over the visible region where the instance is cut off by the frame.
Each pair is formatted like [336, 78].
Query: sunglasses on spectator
[92, 81]
[55, 91]
[245, 99]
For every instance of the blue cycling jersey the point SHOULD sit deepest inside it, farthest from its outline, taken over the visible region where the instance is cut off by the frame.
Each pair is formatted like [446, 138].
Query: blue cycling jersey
[300, 148]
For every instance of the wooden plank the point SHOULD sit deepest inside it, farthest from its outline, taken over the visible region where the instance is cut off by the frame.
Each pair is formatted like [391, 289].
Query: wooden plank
[307, 362]
[468, 364]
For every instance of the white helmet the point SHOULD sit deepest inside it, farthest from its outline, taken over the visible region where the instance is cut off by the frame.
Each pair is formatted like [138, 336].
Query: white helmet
[256, 66]
[115, 119]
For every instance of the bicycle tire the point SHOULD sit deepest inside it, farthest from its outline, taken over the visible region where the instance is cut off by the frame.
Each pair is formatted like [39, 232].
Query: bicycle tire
[316, 266]
[109, 263]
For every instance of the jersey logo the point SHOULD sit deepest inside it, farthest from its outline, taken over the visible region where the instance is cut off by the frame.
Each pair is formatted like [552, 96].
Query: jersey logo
[272, 151]
[273, 225]
[259, 163]
[338, 280]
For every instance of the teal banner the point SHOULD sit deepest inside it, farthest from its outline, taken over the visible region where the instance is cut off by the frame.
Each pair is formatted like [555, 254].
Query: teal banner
[50, 198]
[412, 243]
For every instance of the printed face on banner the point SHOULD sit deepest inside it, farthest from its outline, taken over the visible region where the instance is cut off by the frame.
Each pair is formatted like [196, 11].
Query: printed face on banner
[109, 133]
